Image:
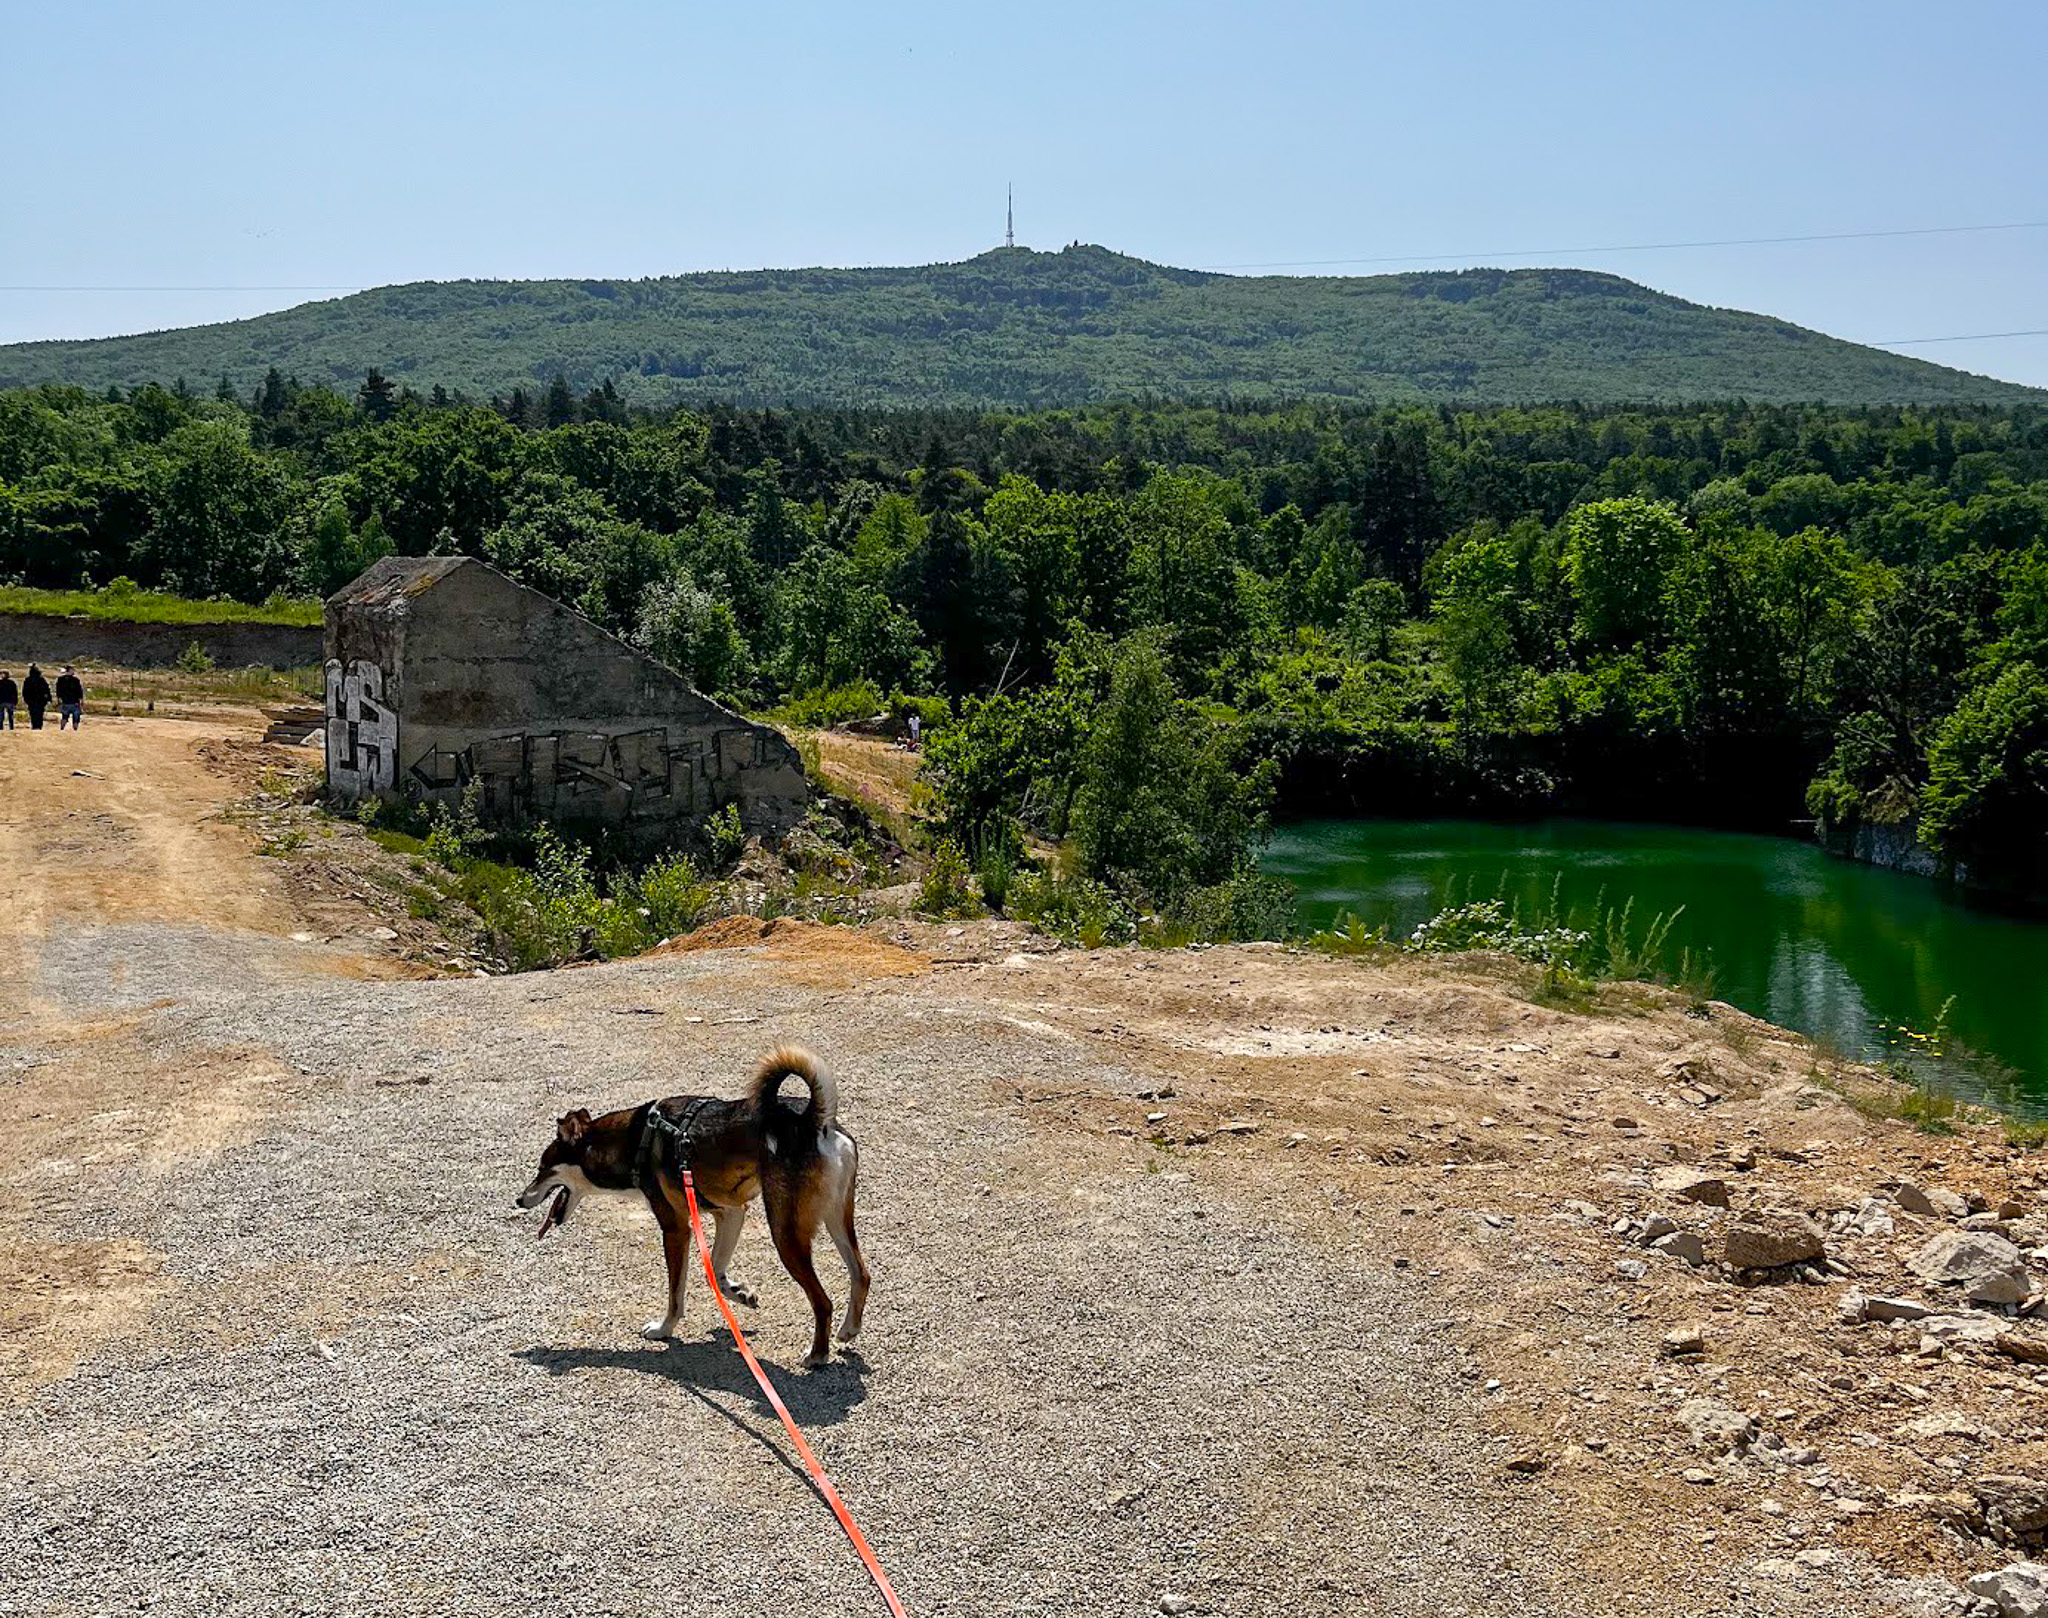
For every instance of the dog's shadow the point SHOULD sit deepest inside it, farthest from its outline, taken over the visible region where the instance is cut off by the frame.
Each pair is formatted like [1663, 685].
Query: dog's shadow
[706, 1365]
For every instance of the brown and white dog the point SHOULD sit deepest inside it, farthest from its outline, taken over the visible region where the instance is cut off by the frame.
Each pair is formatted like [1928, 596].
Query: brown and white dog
[797, 1159]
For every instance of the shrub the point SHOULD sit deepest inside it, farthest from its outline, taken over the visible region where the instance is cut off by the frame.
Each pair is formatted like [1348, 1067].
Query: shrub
[195, 659]
[995, 863]
[944, 892]
[1074, 908]
[673, 895]
[824, 707]
[725, 836]
[455, 835]
[1243, 906]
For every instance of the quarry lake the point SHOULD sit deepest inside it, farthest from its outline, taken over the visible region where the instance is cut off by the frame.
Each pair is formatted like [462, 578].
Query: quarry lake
[1805, 940]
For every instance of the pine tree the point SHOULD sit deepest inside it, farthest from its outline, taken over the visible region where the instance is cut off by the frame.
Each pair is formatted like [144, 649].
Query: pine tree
[270, 402]
[561, 405]
[377, 397]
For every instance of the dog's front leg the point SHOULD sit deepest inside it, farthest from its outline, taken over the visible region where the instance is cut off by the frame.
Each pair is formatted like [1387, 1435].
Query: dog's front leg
[675, 1247]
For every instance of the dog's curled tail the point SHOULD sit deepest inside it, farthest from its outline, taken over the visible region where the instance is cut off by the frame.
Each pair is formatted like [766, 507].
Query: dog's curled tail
[787, 1061]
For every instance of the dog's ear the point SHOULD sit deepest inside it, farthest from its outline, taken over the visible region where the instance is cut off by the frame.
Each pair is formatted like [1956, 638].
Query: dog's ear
[573, 1126]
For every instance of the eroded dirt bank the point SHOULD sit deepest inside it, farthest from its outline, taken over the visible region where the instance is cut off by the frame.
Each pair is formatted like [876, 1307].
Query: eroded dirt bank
[1267, 1282]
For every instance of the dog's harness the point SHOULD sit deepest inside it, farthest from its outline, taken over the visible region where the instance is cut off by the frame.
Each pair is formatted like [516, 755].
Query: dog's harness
[664, 1143]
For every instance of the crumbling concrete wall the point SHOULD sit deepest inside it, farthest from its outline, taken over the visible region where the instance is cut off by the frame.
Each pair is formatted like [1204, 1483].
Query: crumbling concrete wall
[442, 672]
[40, 637]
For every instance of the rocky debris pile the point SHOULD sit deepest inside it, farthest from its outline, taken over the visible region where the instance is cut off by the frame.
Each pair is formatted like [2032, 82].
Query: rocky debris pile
[1945, 1285]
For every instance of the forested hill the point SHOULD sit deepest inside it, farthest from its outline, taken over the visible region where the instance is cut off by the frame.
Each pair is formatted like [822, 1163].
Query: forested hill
[1020, 328]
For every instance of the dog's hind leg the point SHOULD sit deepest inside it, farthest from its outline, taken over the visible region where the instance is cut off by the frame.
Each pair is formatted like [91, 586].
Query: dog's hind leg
[793, 1234]
[725, 1237]
[675, 1247]
[839, 1224]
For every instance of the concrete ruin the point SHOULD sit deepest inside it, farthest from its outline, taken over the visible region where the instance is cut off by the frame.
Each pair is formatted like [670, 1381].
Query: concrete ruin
[442, 673]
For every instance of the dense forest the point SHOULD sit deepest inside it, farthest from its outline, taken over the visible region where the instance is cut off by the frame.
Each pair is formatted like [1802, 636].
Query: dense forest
[1015, 328]
[1724, 614]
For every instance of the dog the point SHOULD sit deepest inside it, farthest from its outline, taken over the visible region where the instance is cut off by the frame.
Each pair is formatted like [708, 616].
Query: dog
[795, 1158]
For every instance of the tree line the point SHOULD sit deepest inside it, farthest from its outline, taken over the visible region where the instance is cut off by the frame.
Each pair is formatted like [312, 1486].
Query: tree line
[1725, 613]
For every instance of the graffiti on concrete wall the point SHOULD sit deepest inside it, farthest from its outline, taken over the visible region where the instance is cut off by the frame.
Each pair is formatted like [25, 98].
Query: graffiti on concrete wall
[569, 774]
[362, 733]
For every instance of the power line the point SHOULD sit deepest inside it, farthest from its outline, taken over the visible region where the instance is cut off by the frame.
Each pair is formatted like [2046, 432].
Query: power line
[1965, 337]
[1634, 247]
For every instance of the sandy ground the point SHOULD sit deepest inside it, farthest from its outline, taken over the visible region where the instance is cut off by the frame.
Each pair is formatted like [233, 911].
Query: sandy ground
[1277, 1284]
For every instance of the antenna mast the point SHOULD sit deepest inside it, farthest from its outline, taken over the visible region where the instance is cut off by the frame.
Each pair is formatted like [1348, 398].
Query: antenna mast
[1010, 219]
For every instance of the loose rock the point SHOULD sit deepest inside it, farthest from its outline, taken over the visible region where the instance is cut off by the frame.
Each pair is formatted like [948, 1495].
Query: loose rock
[2020, 1591]
[2015, 1509]
[1988, 1268]
[1691, 1185]
[1718, 1428]
[1684, 1244]
[1773, 1239]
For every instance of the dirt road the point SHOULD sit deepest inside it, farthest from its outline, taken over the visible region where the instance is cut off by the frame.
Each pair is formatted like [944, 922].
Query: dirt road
[276, 1338]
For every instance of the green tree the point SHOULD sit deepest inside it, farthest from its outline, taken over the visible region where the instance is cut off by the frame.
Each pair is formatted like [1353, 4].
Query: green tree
[1163, 803]
[1617, 555]
[377, 398]
[1986, 798]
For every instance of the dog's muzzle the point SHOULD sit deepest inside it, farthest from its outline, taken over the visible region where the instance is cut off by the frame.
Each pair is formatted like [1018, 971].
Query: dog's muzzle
[558, 1210]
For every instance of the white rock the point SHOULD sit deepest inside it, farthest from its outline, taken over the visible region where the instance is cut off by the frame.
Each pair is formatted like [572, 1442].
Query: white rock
[2021, 1591]
[1946, 1329]
[1873, 1219]
[1683, 1244]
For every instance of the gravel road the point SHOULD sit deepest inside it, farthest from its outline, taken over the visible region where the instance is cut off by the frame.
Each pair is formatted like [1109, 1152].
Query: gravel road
[1083, 1386]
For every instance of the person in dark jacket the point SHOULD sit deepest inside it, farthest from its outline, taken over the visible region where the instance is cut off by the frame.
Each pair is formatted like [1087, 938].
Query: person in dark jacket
[10, 695]
[35, 696]
[70, 699]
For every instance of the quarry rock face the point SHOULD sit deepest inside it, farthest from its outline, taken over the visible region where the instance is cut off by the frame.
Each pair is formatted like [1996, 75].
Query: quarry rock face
[444, 675]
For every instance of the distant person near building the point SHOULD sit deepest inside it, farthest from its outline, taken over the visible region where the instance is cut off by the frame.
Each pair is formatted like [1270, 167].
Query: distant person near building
[35, 696]
[10, 696]
[70, 699]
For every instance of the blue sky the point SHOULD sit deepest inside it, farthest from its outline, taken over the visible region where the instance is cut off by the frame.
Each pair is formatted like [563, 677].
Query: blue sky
[284, 145]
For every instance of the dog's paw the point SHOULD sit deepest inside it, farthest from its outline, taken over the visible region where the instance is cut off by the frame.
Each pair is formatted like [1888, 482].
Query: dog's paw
[740, 1292]
[658, 1330]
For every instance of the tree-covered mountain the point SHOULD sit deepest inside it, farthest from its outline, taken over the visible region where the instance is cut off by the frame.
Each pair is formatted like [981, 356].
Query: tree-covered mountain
[1025, 329]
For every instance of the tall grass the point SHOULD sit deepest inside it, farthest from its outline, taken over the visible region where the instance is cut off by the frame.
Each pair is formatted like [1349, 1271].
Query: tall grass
[1576, 948]
[123, 601]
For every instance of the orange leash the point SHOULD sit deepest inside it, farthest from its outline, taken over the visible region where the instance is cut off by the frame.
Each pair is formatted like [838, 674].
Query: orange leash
[789, 1422]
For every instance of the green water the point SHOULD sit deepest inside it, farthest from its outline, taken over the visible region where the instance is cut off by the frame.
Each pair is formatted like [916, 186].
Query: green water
[1805, 940]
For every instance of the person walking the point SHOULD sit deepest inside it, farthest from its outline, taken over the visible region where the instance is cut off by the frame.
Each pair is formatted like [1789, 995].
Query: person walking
[35, 696]
[70, 699]
[10, 695]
